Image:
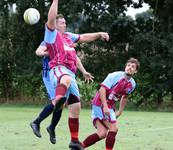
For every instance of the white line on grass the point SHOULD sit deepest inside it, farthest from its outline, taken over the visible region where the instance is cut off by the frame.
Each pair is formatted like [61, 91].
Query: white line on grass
[155, 129]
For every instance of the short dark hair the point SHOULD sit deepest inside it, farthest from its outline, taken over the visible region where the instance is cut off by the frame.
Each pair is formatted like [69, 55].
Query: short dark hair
[135, 61]
[59, 16]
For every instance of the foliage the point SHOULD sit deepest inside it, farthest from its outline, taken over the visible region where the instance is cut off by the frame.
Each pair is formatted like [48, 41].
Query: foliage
[87, 91]
[148, 38]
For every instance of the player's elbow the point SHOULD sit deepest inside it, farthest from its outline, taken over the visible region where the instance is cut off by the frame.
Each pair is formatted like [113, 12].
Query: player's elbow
[51, 24]
[37, 52]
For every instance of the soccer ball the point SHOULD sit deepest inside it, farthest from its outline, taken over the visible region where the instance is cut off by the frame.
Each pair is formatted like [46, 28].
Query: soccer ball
[31, 16]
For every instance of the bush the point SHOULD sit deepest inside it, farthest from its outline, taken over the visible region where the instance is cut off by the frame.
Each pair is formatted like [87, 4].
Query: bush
[87, 91]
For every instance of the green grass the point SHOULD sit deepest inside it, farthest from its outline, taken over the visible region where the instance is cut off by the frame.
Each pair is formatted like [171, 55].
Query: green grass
[137, 130]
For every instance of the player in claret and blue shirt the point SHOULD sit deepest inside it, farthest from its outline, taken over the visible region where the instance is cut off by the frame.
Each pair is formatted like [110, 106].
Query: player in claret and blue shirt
[116, 87]
[63, 66]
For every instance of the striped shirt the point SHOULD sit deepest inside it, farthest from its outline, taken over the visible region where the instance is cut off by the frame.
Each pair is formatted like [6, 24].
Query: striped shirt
[116, 85]
[61, 48]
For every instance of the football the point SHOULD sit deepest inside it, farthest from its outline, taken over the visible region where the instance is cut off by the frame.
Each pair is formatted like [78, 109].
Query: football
[31, 16]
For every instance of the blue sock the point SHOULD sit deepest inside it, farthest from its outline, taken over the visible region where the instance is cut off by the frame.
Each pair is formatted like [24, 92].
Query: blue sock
[47, 110]
[55, 119]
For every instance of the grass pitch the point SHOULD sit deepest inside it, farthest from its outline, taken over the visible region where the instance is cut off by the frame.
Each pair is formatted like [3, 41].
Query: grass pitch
[137, 130]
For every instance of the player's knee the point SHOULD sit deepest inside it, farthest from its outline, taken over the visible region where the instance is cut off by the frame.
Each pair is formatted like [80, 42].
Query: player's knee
[115, 129]
[75, 113]
[102, 134]
[66, 79]
[74, 110]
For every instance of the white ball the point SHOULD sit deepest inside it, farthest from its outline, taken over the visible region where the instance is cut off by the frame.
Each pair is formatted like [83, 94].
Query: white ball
[31, 16]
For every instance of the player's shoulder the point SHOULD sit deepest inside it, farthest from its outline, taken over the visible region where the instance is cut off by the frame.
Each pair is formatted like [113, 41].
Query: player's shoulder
[50, 35]
[117, 74]
[69, 33]
[73, 36]
[133, 82]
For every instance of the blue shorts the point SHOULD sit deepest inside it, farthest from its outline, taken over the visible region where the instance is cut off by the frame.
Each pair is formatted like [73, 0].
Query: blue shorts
[55, 76]
[49, 87]
[97, 114]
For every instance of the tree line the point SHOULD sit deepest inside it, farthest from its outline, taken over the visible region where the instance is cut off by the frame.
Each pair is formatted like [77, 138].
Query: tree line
[148, 38]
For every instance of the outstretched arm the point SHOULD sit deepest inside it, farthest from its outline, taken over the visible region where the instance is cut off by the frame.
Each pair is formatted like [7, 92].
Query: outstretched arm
[88, 77]
[89, 37]
[51, 22]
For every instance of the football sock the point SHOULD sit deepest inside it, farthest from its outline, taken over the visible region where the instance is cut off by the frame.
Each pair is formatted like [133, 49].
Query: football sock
[47, 110]
[90, 140]
[55, 119]
[110, 140]
[61, 89]
[74, 128]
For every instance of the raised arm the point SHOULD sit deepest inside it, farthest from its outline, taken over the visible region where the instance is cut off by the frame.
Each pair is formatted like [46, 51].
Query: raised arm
[51, 22]
[89, 37]
[88, 77]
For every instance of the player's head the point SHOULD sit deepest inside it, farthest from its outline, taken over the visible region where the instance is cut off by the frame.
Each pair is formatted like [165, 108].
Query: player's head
[132, 66]
[60, 23]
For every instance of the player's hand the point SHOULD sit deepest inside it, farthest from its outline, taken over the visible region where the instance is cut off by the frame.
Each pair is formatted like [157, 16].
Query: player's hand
[118, 113]
[88, 77]
[104, 36]
[106, 111]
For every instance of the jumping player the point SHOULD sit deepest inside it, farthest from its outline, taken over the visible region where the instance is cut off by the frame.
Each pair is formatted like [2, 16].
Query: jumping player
[48, 109]
[63, 65]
